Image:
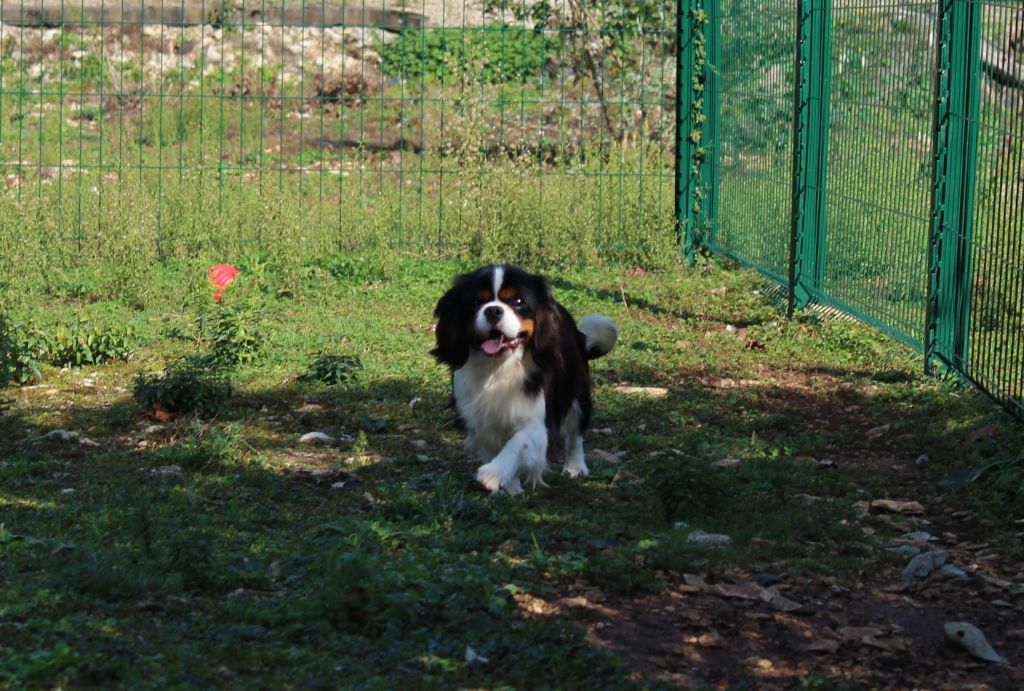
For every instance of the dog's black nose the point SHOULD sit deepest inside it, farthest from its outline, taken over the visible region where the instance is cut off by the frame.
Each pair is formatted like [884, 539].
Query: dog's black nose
[493, 313]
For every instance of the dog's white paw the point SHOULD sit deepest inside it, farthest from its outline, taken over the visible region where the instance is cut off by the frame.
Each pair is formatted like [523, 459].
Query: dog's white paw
[490, 475]
[575, 469]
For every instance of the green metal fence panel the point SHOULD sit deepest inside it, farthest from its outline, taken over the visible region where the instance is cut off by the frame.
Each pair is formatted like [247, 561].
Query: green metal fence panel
[810, 152]
[879, 178]
[470, 126]
[753, 81]
[995, 326]
[696, 127]
[902, 205]
[955, 144]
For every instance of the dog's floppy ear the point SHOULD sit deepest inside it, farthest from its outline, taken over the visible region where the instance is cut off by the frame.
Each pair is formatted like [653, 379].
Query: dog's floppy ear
[452, 341]
[549, 323]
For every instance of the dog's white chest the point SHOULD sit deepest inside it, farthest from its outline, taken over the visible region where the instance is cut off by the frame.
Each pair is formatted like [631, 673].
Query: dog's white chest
[492, 402]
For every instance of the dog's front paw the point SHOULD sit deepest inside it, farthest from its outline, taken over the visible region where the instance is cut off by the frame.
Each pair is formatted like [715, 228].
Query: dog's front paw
[491, 477]
[575, 469]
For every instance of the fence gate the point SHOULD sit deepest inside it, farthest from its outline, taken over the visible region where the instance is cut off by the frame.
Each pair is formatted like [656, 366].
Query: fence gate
[870, 157]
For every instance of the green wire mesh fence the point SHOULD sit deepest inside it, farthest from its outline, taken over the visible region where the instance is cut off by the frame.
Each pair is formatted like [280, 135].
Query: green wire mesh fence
[867, 155]
[493, 127]
[995, 324]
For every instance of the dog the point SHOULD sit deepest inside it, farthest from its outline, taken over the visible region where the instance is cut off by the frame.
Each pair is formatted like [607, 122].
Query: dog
[520, 373]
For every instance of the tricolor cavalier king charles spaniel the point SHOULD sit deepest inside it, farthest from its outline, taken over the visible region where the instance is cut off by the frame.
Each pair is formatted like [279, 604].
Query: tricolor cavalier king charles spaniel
[520, 373]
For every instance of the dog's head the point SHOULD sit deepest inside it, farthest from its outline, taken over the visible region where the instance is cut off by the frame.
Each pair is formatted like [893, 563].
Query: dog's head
[498, 311]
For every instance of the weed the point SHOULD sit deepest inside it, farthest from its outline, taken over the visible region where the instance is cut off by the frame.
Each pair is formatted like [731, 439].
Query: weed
[192, 384]
[83, 343]
[506, 53]
[234, 334]
[18, 356]
[332, 369]
[686, 490]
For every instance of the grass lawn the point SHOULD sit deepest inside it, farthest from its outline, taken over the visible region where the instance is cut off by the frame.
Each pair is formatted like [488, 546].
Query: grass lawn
[219, 551]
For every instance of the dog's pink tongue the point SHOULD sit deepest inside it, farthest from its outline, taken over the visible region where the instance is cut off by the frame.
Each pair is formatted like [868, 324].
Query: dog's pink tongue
[492, 346]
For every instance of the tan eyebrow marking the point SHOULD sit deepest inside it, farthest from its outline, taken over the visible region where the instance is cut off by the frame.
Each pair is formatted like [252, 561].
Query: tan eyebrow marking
[507, 293]
[485, 295]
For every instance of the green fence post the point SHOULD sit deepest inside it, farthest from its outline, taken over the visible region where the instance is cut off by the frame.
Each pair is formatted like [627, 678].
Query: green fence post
[712, 88]
[691, 54]
[954, 142]
[810, 150]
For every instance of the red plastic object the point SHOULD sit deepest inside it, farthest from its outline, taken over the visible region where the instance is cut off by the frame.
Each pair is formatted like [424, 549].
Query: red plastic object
[221, 275]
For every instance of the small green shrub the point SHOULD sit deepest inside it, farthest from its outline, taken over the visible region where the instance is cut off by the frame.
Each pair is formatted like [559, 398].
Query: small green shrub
[508, 53]
[235, 335]
[18, 363]
[192, 384]
[333, 369]
[687, 491]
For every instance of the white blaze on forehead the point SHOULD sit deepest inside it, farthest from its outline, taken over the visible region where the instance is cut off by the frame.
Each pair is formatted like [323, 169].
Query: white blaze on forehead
[509, 324]
[499, 276]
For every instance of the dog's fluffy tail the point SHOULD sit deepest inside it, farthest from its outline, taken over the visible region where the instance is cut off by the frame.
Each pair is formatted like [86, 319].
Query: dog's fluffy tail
[601, 334]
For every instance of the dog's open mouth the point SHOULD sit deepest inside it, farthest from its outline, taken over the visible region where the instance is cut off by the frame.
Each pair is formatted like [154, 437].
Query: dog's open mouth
[499, 343]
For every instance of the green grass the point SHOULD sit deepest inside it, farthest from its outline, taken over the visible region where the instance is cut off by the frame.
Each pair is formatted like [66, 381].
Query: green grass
[203, 553]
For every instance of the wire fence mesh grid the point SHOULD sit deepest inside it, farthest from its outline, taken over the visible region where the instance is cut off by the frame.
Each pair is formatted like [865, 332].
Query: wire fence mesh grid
[879, 142]
[413, 123]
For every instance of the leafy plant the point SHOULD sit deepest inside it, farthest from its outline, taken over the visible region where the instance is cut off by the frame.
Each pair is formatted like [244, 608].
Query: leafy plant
[193, 384]
[685, 490]
[83, 343]
[333, 369]
[235, 336]
[18, 363]
[507, 53]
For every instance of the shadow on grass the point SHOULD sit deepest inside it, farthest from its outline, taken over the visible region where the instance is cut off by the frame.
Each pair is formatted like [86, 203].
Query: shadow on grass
[238, 555]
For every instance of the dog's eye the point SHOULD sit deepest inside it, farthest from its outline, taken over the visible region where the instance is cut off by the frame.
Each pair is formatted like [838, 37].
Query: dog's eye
[517, 302]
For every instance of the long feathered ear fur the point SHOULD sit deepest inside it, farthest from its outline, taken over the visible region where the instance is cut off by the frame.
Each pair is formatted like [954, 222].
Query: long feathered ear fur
[452, 341]
[549, 317]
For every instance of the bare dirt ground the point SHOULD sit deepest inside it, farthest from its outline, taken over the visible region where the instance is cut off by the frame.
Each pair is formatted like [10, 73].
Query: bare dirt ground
[731, 628]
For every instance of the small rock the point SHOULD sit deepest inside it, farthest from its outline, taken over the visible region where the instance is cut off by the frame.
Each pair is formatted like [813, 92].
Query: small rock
[419, 444]
[952, 571]
[897, 506]
[61, 435]
[152, 429]
[472, 656]
[624, 477]
[648, 391]
[86, 441]
[971, 639]
[311, 408]
[876, 432]
[605, 456]
[167, 470]
[920, 536]
[316, 438]
[726, 462]
[67, 490]
[699, 537]
[923, 564]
